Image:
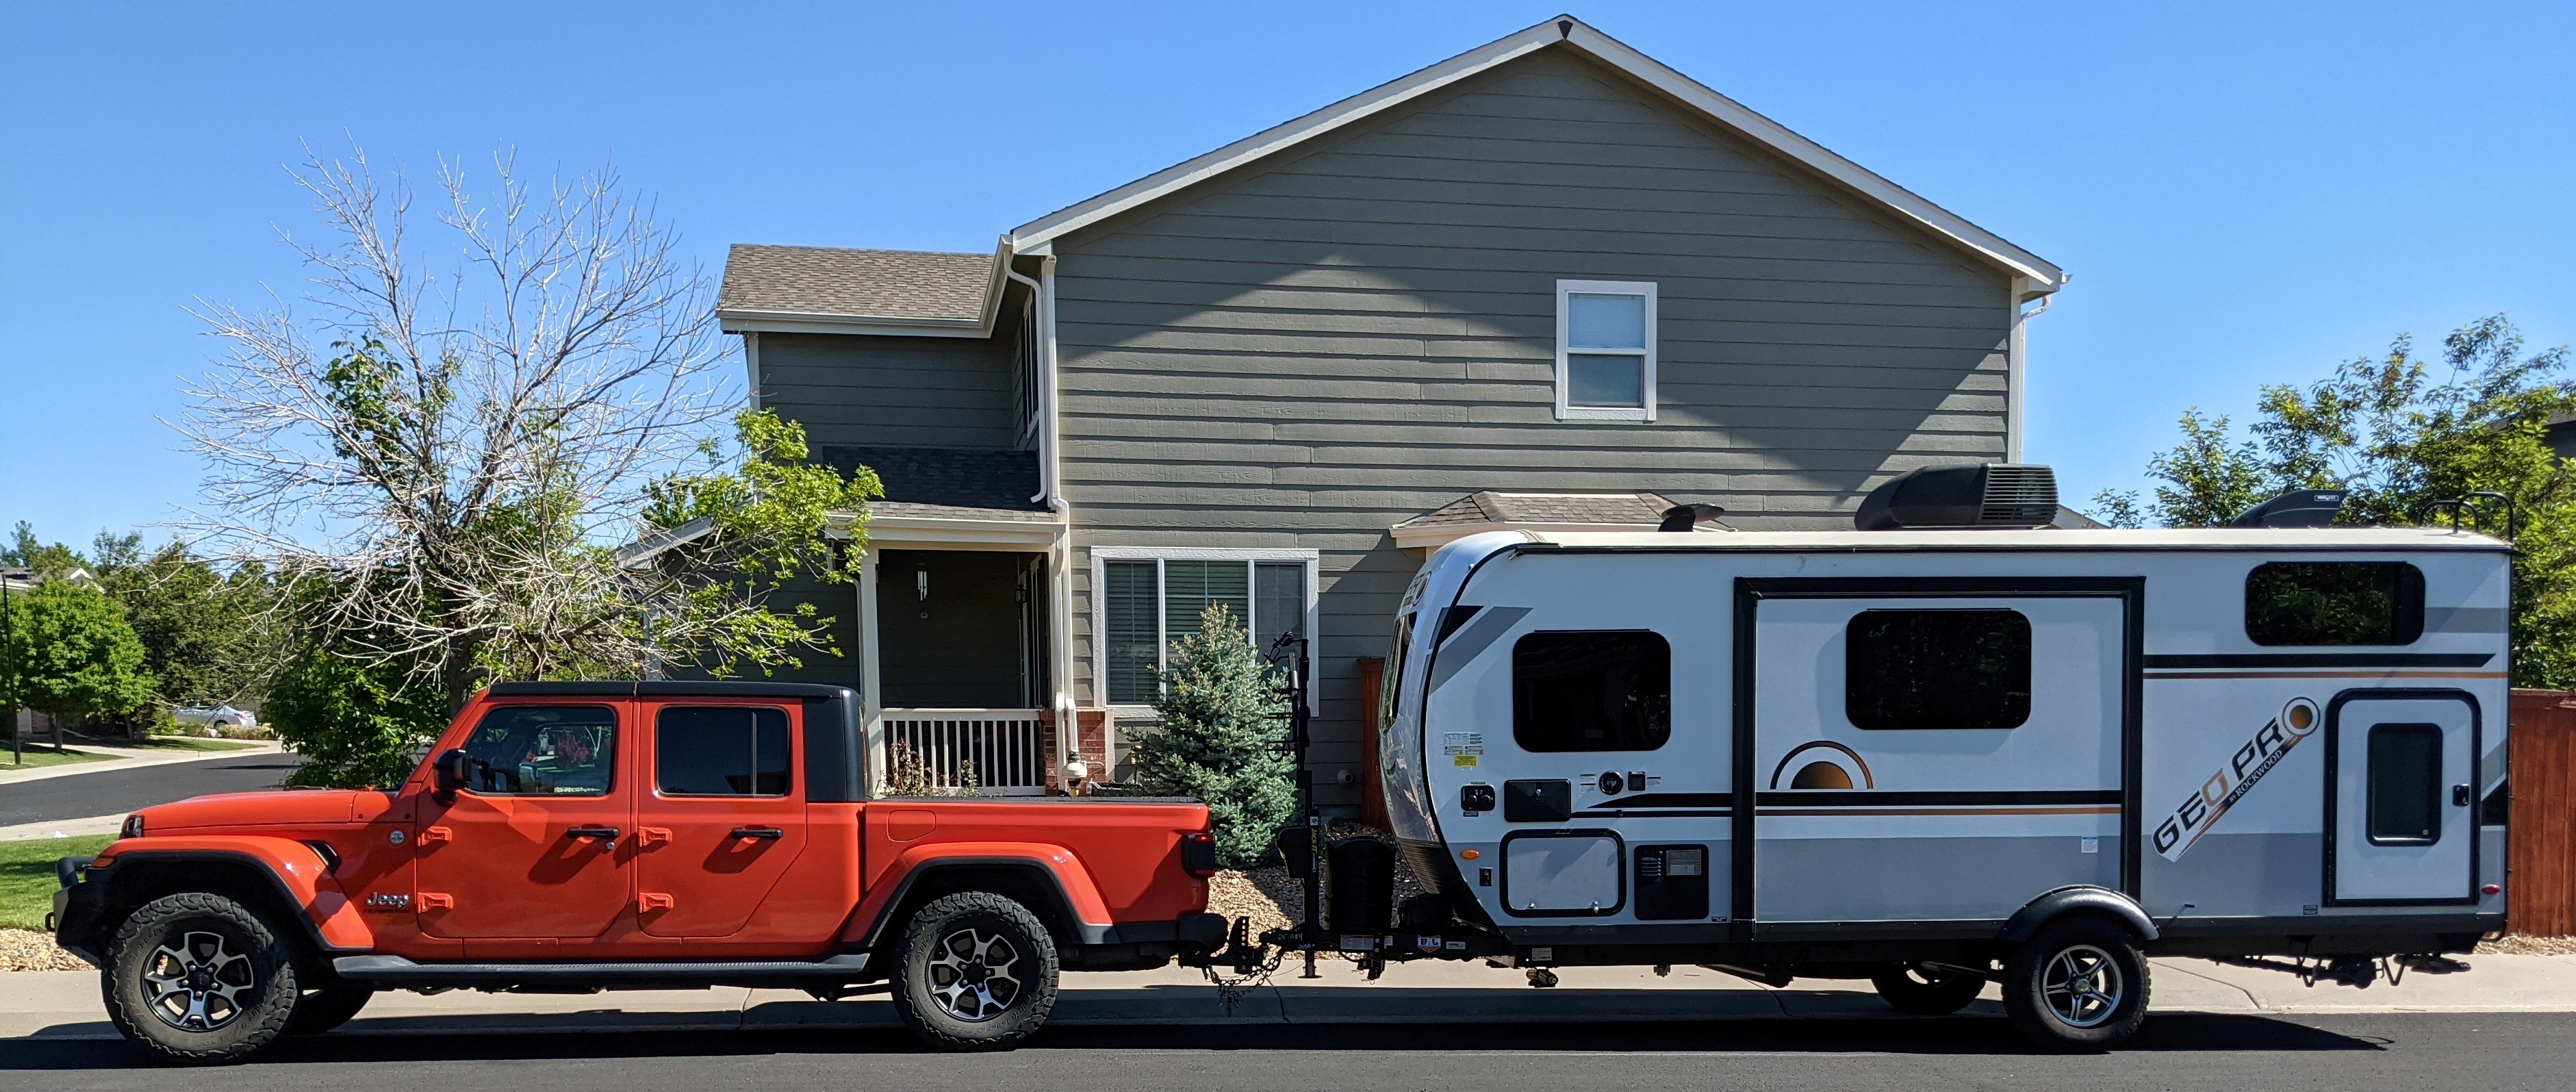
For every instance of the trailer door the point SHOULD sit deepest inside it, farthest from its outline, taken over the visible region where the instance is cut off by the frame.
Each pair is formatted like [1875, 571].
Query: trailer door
[1930, 754]
[2401, 766]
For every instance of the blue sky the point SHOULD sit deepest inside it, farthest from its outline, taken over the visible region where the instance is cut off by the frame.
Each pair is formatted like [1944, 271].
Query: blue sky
[2245, 193]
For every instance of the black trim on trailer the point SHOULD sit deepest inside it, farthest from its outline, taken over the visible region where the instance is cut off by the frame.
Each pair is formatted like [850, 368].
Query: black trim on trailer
[1670, 800]
[2290, 553]
[2320, 659]
[1837, 798]
[2333, 778]
[2131, 591]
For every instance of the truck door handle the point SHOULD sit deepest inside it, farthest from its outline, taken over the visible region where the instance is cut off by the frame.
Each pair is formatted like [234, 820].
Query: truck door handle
[609, 833]
[767, 834]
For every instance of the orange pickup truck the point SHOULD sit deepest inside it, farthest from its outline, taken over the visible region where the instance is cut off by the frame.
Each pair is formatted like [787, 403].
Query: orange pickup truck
[586, 836]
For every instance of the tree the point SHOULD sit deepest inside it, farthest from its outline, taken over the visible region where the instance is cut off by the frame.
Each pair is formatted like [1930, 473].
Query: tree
[2400, 432]
[207, 636]
[75, 657]
[1222, 737]
[438, 467]
[359, 723]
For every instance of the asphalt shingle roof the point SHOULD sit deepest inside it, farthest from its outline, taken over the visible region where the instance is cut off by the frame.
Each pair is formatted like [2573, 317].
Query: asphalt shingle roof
[863, 284]
[978, 478]
[1498, 506]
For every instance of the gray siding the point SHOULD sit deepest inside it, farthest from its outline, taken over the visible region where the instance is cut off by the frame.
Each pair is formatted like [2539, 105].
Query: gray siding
[868, 391]
[1307, 352]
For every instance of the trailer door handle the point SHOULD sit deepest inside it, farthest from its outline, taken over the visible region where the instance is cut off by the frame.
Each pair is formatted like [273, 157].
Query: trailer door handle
[2459, 796]
[766, 834]
[608, 833]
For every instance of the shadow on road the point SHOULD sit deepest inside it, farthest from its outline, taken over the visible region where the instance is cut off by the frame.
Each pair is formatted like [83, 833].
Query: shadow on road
[2179, 1032]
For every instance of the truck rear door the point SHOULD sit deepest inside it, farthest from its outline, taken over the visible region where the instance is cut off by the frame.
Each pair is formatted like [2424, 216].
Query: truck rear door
[722, 817]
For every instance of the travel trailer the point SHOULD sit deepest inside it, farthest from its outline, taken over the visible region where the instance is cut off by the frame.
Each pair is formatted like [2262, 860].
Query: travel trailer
[1960, 747]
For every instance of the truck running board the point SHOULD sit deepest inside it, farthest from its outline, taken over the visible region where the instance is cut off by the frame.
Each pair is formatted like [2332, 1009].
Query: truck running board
[395, 971]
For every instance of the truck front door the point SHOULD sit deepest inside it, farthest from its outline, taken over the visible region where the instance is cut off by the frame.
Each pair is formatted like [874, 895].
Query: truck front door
[533, 848]
[723, 818]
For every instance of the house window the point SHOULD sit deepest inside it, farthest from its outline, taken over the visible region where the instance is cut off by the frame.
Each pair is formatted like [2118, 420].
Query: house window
[1149, 599]
[2334, 603]
[1936, 669]
[1605, 350]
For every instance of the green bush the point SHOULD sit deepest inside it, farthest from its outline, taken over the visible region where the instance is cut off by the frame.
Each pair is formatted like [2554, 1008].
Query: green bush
[357, 724]
[1222, 738]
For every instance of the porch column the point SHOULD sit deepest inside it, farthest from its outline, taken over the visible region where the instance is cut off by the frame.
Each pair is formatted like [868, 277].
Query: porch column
[871, 699]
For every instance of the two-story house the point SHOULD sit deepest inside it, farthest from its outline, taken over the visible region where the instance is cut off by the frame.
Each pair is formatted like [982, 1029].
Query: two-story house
[1546, 283]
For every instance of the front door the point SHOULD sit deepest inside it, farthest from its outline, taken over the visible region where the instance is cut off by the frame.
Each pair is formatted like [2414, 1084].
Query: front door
[1929, 757]
[2400, 770]
[534, 847]
[723, 818]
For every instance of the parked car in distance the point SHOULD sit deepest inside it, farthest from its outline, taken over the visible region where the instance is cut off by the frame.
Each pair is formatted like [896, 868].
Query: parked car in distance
[584, 836]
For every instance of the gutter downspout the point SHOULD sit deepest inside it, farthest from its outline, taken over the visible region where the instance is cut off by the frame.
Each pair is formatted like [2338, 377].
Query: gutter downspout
[2017, 365]
[1051, 492]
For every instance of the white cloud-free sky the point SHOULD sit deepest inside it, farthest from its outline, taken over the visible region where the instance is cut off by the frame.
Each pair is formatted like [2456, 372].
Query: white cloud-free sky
[2245, 192]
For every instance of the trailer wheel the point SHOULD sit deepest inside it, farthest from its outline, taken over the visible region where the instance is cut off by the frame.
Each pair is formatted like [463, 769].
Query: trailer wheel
[2079, 985]
[200, 979]
[974, 971]
[1913, 989]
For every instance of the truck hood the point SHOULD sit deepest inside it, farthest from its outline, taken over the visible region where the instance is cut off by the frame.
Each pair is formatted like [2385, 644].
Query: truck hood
[253, 809]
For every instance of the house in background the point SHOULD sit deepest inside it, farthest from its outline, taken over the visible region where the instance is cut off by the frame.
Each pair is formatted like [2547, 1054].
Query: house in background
[1546, 283]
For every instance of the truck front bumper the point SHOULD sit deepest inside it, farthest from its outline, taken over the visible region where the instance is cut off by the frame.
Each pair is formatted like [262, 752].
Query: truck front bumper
[79, 905]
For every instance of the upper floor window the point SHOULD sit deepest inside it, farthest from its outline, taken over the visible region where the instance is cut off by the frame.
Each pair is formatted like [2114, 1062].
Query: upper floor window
[2334, 603]
[1150, 598]
[1605, 350]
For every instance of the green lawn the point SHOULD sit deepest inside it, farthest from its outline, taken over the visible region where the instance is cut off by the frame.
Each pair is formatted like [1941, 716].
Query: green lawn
[189, 743]
[43, 755]
[27, 876]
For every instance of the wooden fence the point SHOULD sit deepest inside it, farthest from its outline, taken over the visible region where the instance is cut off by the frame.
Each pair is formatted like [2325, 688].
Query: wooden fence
[2540, 866]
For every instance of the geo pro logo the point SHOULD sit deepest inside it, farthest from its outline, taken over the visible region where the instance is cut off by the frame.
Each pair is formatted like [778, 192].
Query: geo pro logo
[2245, 769]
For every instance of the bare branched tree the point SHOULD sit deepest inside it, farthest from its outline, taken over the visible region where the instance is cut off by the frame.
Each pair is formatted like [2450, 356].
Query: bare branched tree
[440, 454]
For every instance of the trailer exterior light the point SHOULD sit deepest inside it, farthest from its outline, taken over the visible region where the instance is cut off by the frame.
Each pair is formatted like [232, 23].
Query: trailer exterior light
[1470, 854]
[2492, 889]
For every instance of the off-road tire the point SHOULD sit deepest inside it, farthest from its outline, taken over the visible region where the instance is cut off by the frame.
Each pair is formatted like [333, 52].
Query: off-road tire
[1925, 993]
[260, 1011]
[327, 1008]
[2036, 977]
[925, 973]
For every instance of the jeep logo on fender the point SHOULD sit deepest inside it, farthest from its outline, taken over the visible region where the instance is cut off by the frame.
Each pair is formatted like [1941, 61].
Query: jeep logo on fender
[2200, 811]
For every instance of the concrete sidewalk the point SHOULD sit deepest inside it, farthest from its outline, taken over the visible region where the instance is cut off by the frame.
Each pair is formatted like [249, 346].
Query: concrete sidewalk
[129, 758]
[65, 1004]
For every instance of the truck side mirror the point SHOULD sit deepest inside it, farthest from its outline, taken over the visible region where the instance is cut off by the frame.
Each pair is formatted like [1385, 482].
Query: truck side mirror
[450, 773]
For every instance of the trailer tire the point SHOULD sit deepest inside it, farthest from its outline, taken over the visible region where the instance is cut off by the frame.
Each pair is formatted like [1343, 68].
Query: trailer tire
[1910, 988]
[974, 971]
[2078, 986]
[200, 979]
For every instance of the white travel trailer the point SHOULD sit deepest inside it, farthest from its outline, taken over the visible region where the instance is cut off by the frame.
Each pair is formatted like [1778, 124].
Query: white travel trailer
[1941, 757]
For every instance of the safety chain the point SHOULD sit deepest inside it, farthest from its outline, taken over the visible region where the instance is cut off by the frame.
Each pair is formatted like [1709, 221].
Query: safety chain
[1231, 993]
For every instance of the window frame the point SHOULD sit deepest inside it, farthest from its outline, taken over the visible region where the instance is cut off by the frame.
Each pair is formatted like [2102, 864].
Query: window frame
[2370, 783]
[794, 751]
[1101, 556]
[1647, 356]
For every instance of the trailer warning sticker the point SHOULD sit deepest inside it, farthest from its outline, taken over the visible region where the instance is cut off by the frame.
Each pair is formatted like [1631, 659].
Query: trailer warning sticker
[2243, 770]
[1462, 747]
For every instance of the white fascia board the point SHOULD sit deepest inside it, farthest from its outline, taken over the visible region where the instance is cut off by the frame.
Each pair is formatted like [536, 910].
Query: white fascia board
[963, 534]
[2044, 276]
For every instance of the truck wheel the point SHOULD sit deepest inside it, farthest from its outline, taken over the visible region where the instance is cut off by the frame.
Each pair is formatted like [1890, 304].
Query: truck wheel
[328, 1008]
[974, 971]
[2080, 985]
[200, 979]
[1913, 989]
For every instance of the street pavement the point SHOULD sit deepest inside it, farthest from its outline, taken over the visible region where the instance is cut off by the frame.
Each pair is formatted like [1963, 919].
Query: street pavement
[74, 793]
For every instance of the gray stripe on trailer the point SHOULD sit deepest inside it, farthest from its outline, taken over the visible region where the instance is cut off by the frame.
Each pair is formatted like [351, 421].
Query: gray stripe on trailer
[1471, 642]
[2472, 620]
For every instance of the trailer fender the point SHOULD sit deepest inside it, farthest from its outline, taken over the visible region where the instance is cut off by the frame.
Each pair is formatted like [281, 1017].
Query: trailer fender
[2026, 922]
[1055, 868]
[292, 872]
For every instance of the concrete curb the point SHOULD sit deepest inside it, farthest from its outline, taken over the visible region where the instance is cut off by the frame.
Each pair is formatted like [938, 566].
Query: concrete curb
[131, 758]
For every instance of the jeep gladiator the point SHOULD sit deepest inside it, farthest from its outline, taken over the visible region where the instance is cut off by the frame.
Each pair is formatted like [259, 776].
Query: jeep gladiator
[586, 836]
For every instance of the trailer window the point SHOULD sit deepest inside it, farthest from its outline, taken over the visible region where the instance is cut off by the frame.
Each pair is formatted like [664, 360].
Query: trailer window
[1605, 690]
[2334, 603]
[1932, 669]
[2405, 777]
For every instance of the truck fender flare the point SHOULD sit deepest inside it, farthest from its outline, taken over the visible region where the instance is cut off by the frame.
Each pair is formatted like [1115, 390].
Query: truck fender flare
[295, 874]
[1054, 867]
[2026, 922]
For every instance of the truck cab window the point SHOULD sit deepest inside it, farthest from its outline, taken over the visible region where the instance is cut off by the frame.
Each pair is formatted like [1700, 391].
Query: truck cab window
[544, 750]
[720, 751]
[2334, 603]
[1934, 669]
[1592, 690]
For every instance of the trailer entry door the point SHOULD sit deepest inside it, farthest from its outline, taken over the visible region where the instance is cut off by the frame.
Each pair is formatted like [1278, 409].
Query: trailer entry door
[2399, 829]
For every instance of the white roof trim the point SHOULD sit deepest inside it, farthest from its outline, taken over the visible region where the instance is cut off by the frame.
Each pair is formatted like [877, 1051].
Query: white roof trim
[1566, 30]
[952, 531]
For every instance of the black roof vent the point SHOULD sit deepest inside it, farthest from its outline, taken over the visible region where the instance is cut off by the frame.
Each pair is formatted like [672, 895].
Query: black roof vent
[2000, 495]
[2296, 508]
[1691, 517]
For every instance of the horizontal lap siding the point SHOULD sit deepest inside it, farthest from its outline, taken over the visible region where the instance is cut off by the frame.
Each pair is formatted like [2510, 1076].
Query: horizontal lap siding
[1307, 353]
[865, 391]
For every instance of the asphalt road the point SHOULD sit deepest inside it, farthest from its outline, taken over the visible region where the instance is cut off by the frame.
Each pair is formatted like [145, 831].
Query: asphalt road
[78, 796]
[2352, 1053]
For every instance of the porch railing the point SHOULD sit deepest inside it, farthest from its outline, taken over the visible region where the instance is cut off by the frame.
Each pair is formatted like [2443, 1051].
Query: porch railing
[1007, 748]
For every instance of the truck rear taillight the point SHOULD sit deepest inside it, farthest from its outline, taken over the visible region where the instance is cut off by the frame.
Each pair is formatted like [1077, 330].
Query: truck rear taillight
[1198, 854]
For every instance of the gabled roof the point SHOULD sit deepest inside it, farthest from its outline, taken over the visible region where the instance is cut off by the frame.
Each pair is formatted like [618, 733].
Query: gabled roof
[1562, 32]
[830, 289]
[1504, 510]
